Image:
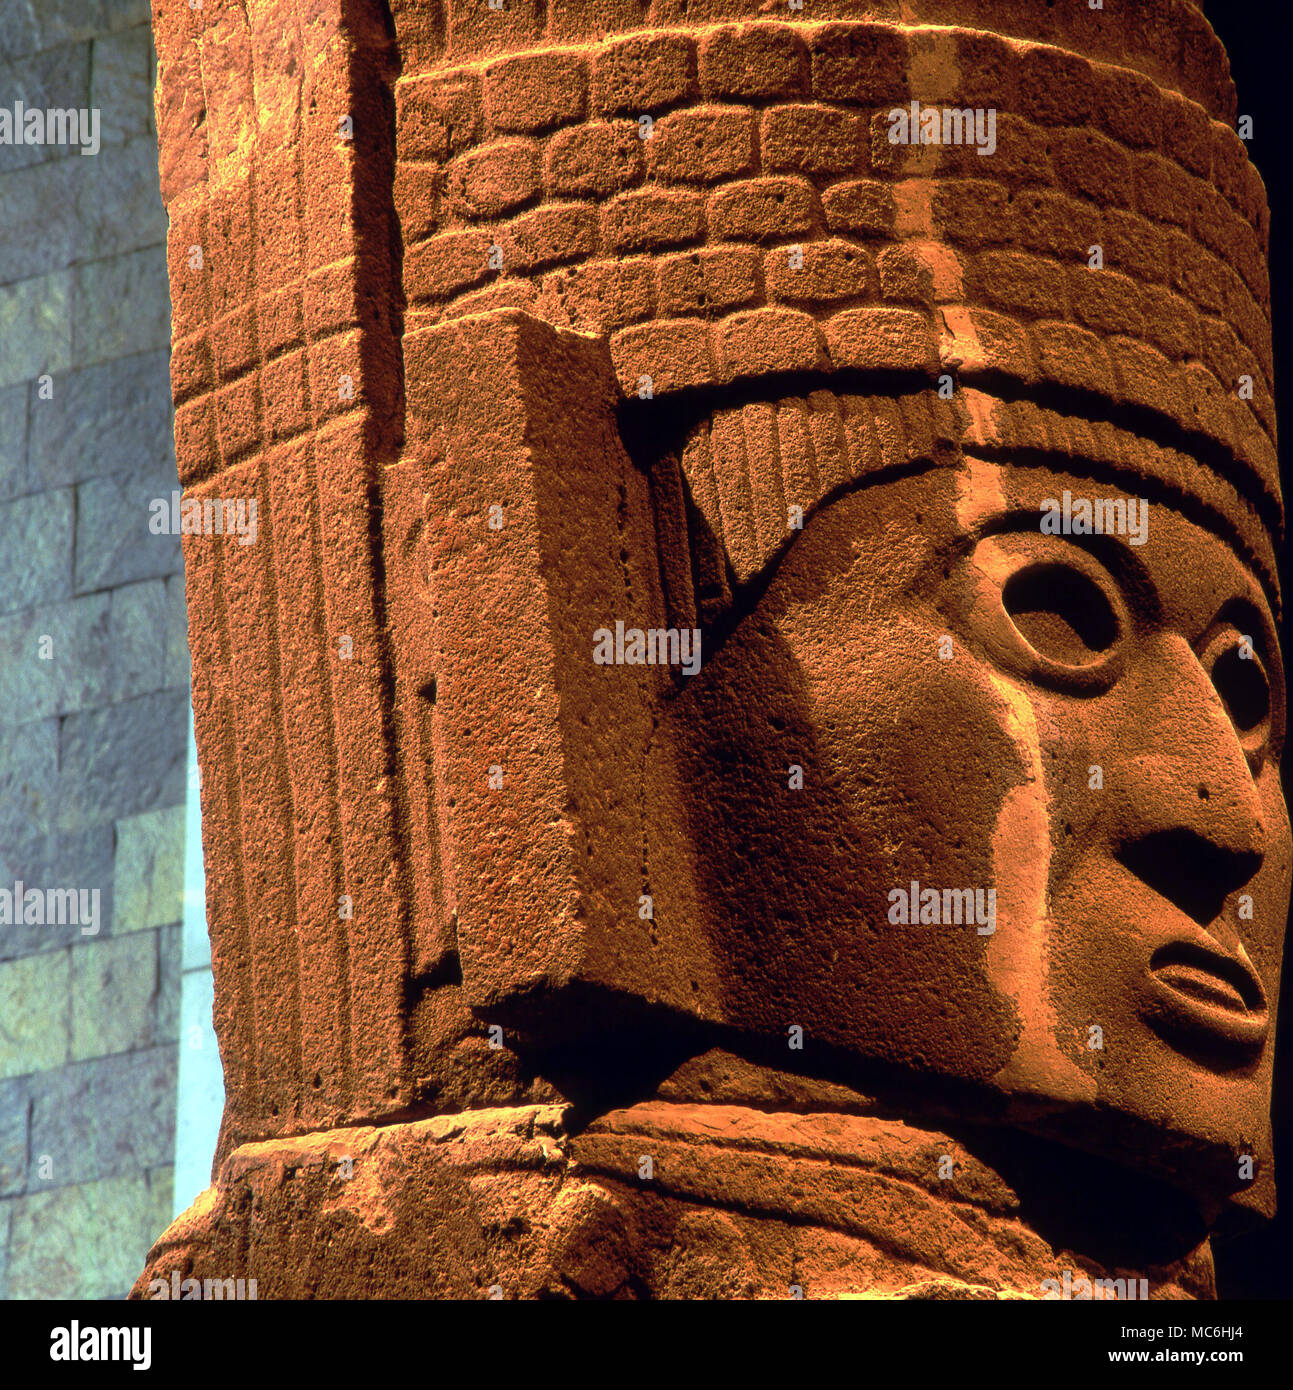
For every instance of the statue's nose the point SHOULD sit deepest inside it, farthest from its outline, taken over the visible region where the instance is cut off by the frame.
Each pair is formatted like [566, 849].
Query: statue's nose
[1187, 818]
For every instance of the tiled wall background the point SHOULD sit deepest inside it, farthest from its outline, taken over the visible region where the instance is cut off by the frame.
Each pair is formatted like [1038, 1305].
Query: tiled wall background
[93, 741]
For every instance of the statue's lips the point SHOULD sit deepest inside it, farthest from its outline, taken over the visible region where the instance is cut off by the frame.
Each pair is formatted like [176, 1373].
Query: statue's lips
[1209, 991]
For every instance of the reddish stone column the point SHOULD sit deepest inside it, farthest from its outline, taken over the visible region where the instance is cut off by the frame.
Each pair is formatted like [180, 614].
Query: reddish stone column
[650, 410]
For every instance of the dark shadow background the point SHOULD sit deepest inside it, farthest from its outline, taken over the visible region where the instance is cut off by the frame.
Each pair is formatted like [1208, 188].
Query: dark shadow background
[1260, 1265]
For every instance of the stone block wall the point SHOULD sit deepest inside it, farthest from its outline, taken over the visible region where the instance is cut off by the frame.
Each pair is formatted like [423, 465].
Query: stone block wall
[94, 667]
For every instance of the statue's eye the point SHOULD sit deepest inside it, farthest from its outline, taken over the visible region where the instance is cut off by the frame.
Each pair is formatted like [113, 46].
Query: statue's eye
[1047, 611]
[1242, 685]
[1062, 613]
[1241, 681]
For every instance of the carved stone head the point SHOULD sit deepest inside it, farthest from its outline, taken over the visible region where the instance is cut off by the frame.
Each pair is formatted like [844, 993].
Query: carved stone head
[941, 363]
[799, 491]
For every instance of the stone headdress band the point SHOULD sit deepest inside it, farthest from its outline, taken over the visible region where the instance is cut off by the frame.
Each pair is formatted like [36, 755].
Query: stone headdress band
[728, 484]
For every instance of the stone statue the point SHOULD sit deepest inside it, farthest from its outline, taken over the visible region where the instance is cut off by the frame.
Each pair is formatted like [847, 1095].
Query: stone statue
[744, 761]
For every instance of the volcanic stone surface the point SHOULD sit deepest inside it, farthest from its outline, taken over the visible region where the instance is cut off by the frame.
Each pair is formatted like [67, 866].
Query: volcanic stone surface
[742, 758]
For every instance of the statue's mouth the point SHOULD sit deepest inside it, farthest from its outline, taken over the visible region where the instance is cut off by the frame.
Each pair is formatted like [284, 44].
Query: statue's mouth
[1208, 991]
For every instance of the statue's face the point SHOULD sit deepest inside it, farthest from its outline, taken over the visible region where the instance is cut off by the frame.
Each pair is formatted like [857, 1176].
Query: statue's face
[1097, 743]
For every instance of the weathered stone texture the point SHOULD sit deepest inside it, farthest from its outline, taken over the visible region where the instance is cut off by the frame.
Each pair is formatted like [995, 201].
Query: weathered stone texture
[102, 1118]
[15, 1124]
[148, 872]
[122, 759]
[36, 327]
[80, 1240]
[43, 858]
[34, 994]
[37, 564]
[522, 326]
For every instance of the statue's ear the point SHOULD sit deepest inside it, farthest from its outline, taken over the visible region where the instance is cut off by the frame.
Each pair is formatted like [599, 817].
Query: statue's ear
[518, 534]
